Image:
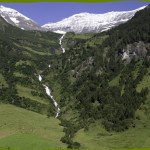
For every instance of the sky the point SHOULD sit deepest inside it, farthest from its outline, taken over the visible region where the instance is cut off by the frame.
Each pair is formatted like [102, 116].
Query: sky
[45, 12]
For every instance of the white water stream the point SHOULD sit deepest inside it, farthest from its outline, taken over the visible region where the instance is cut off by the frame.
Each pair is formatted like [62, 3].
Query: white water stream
[49, 93]
[60, 42]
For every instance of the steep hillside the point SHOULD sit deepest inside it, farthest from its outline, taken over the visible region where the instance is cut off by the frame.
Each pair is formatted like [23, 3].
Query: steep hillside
[24, 55]
[96, 79]
[17, 19]
[100, 82]
[22, 129]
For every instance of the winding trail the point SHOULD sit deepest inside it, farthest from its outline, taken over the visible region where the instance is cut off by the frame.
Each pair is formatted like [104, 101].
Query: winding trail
[49, 93]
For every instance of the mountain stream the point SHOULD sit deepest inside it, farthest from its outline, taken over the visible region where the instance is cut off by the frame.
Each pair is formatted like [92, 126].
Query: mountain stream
[60, 42]
[49, 93]
[47, 90]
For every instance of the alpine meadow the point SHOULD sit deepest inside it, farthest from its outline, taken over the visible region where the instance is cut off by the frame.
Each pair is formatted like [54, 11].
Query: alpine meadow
[80, 83]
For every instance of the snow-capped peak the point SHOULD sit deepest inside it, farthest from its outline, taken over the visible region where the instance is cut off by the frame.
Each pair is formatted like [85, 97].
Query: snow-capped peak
[89, 22]
[140, 8]
[12, 12]
[17, 19]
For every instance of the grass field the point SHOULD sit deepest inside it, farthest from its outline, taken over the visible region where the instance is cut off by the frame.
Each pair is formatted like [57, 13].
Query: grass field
[18, 74]
[21, 62]
[36, 52]
[23, 130]
[30, 50]
[26, 92]
[82, 149]
[96, 40]
[97, 137]
[115, 81]
[145, 83]
[144, 112]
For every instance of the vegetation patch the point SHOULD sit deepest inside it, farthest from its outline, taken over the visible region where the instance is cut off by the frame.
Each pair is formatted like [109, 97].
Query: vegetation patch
[31, 94]
[3, 82]
[96, 137]
[23, 129]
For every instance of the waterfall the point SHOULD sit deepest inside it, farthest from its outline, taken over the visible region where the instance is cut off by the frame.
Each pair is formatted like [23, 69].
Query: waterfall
[49, 93]
[60, 42]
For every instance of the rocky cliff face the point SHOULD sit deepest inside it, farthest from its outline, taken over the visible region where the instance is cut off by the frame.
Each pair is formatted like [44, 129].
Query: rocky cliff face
[135, 50]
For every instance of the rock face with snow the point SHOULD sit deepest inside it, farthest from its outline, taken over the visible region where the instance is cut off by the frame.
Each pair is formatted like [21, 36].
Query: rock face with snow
[17, 19]
[86, 22]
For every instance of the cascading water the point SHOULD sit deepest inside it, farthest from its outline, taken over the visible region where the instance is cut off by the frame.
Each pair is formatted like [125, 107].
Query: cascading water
[49, 93]
[60, 42]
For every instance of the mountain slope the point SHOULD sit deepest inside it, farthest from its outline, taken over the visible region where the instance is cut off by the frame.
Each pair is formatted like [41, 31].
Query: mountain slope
[22, 60]
[95, 82]
[100, 82]
[17, 19]
[86, 22]
[22, 129]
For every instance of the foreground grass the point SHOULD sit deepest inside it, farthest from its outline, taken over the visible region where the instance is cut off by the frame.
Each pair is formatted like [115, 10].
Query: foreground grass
[23, 130]
[97, 137]
[81, 149]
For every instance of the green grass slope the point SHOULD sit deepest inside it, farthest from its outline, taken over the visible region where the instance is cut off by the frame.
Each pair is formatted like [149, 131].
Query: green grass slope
[23, 58]
[23, 130]
[98, 138]
[143, 113]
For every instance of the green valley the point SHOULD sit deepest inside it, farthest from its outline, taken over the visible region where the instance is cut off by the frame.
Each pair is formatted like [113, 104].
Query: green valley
[95, 95]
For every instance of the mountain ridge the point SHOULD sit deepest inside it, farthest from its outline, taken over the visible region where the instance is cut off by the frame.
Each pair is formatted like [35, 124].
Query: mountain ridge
[89, 22]
[18, 19]
[84, 22]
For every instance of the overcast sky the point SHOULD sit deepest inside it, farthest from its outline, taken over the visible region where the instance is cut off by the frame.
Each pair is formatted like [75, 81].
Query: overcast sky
[51, 11]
